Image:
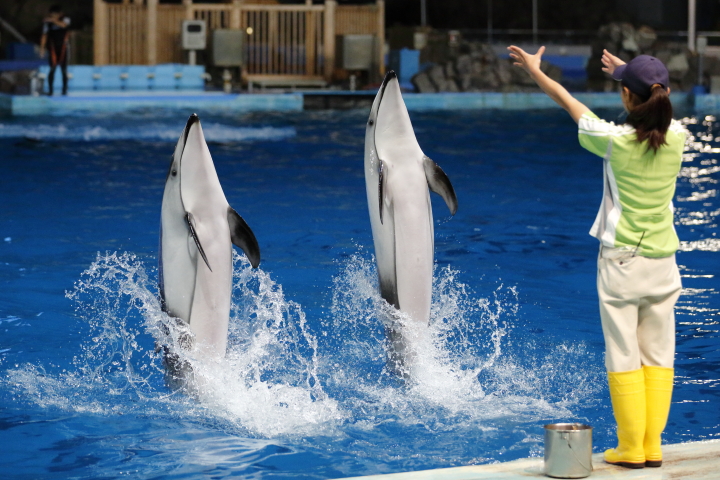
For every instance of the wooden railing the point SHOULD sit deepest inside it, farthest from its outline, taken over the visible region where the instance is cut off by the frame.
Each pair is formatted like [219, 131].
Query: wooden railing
[280, 40]
[126, 22]
[359, 19]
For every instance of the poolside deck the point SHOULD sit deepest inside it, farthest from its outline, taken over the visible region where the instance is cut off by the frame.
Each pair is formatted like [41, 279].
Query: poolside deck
[693, 460]
[120, 101]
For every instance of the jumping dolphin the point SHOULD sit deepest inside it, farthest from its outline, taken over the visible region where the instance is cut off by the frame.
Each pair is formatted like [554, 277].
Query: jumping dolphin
[397, 176]
[198, 228]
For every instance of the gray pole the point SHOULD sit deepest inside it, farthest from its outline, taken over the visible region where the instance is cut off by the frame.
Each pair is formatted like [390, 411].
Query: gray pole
[691, 25]
[535, 22]
[701, 47]
[489, 21]
[423, 13]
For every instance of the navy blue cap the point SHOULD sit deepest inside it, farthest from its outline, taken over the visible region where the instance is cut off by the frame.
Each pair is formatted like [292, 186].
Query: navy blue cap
[641, 73]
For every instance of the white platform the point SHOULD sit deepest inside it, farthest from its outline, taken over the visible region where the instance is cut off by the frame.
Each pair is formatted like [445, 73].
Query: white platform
[692, 461]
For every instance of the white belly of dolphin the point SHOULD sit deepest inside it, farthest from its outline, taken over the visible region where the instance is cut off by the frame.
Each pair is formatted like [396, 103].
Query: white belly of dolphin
[414, 245]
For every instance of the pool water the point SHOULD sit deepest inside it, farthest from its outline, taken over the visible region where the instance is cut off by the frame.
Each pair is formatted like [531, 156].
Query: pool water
[514, 341]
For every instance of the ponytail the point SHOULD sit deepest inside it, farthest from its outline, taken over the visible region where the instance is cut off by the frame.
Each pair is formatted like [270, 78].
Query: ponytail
[651, 118]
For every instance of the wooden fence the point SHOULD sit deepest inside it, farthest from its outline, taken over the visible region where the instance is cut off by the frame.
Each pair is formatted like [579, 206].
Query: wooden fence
[288, 40]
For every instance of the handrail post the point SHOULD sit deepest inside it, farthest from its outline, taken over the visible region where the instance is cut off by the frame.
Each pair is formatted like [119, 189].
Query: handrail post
[381, 36]
[101, 29]
[152, 32]
[235, 14]
[329, 40]
[189, 15]
[311, 27]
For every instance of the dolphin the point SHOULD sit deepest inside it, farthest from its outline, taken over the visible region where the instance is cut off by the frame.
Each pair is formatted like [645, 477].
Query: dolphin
[197, 231]
[397, 177]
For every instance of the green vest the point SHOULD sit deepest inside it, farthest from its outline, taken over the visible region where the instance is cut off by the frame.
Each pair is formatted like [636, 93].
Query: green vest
[637, 209]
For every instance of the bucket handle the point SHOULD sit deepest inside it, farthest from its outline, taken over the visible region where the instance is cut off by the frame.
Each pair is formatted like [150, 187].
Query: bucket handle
[566, 437]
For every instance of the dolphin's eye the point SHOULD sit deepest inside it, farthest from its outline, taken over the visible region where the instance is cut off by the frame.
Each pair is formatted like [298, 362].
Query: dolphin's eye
[370, 122]
[174, 173]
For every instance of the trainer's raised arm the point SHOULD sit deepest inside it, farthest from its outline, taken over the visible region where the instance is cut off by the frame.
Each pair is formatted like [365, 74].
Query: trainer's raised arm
[531, 64]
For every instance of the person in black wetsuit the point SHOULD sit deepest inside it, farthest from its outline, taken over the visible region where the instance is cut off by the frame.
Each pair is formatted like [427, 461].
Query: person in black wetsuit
[55, 37]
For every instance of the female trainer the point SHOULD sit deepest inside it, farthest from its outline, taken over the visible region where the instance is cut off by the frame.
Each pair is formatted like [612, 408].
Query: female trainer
[638, 281]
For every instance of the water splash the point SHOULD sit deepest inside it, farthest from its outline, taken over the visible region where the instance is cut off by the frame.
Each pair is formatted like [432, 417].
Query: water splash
[285, 376]
[467, 373]
[266, 386]
[269, 378]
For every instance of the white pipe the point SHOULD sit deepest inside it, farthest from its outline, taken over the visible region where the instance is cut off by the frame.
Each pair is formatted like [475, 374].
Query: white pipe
[691, 25]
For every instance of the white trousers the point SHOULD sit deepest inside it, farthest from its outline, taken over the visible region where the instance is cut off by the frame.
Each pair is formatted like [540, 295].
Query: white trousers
[637, 299]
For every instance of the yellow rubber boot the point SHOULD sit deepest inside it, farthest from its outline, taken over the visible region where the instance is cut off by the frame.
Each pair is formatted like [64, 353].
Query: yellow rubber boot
[658, 394]
[627, 393]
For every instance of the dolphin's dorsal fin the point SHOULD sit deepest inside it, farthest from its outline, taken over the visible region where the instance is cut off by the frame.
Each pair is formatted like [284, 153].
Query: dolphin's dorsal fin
[189, 220]
[243, 237]
[440, 183]
[381, 187]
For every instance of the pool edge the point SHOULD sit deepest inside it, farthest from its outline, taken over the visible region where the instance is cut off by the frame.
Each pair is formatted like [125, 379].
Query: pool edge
[692, 460]
[26, 105]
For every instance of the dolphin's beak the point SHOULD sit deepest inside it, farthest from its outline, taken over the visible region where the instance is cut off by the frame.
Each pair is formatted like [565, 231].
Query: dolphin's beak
[393, 121]
[388, 76]
[191, 121]
[193, 118]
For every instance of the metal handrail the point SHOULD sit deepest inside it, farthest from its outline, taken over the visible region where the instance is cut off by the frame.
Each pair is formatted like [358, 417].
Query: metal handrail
[12, 30]
[568, 34]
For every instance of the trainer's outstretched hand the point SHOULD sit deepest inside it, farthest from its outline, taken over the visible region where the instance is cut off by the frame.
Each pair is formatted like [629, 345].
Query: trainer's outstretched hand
[610, 61]
[529, 63]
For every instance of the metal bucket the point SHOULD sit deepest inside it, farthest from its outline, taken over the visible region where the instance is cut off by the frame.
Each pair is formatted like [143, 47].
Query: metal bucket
[568, 450]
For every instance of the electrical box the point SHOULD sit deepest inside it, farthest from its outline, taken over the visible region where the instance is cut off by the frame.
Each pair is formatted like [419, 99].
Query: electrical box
[715, 84]
[357, 52]
[194, 35]
[227, 47]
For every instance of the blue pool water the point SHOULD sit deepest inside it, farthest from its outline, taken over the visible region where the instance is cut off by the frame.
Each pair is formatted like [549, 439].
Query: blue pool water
[515, 340]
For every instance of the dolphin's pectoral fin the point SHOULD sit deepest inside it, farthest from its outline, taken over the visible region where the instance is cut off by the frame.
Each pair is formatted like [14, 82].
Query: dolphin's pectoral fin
[381, 187]
[188, 219]
[440, 183]
[243, 237]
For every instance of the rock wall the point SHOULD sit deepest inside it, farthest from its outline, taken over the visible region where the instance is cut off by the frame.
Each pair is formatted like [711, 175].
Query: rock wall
[627, 42]
[474, 67]
[16, 82]
[470, 66]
